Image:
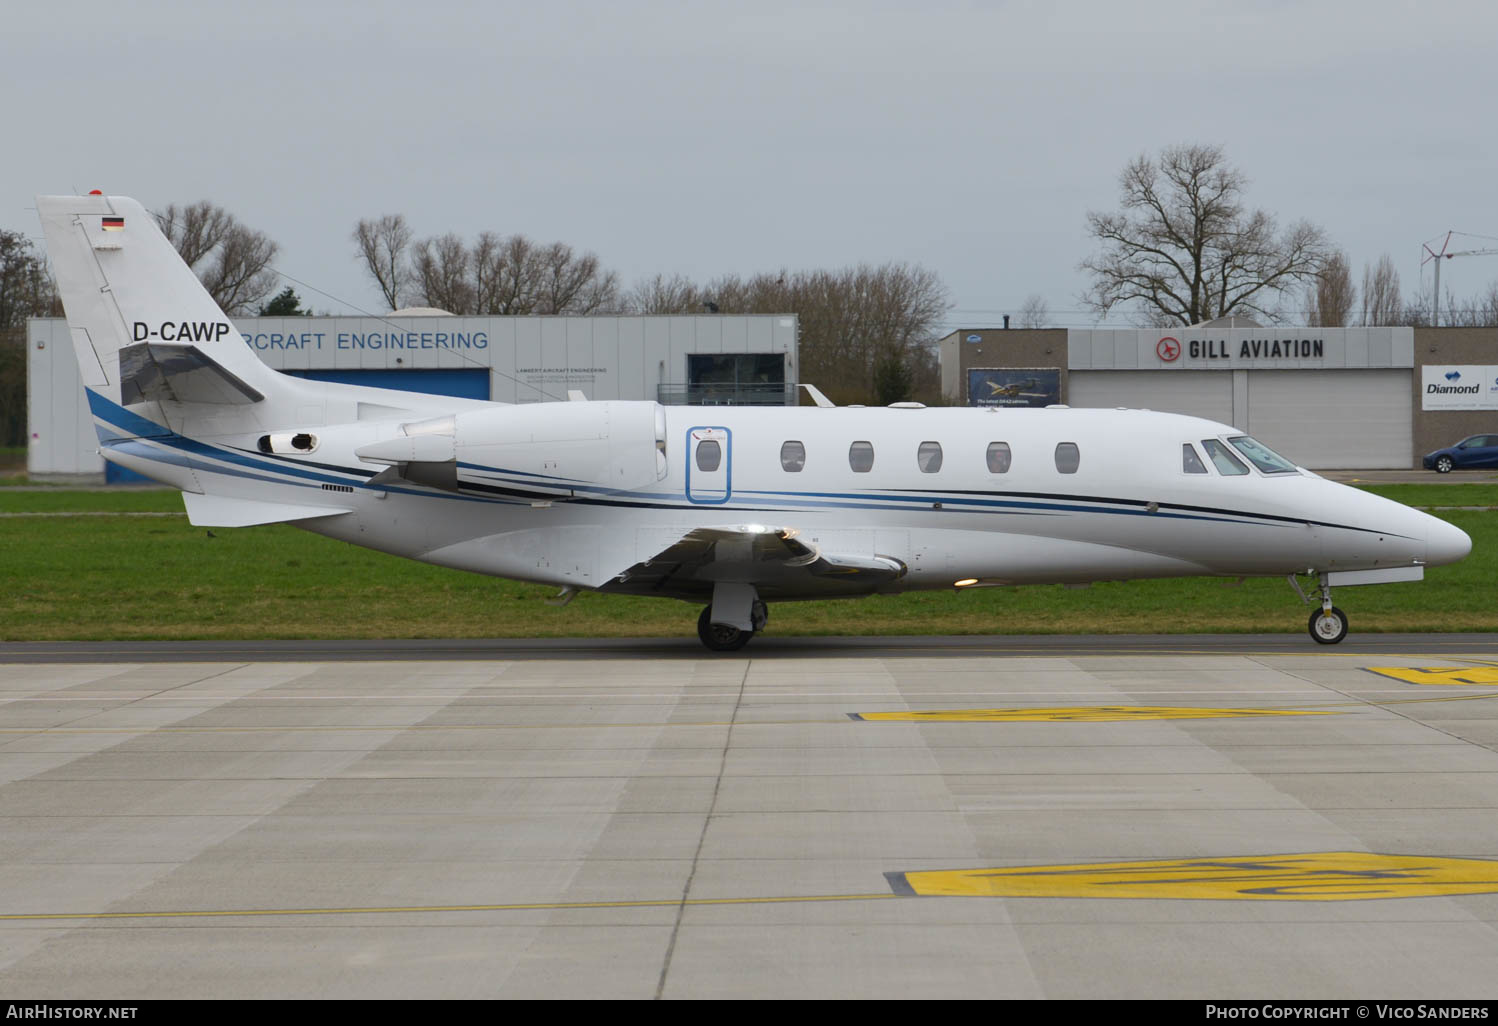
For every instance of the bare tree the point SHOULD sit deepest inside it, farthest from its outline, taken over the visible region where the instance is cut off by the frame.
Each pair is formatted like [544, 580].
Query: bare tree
[863, 330]
[1330, 297]
[498, 274]
[1185, 247]
[1480, 311]
[441, 273]
[516, 277]
[382, 246]
[1035, 313]
[662, 295]
[572, 284]
[1382, 304]
[232, 260]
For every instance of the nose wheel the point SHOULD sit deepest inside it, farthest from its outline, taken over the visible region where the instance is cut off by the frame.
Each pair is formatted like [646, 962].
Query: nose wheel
[1328, 626]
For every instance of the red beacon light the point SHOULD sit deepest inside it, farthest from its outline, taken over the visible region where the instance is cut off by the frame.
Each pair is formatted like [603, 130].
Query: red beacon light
[95, 192]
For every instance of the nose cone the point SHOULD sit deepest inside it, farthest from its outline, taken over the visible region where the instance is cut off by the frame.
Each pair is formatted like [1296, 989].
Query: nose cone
[1445, 543]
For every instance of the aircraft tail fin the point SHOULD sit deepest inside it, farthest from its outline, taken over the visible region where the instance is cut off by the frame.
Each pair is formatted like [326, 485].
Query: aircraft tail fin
[144, 328]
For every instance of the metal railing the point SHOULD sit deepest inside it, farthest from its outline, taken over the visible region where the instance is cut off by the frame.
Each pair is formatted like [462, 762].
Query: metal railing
[726, 394]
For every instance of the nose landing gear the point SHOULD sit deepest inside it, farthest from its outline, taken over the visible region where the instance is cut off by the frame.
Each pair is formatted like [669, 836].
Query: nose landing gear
[1328, 625]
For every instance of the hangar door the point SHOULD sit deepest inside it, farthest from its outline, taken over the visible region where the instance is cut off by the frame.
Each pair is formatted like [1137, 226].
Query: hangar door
[1206, 394]
[468, 383]
[1334, 419]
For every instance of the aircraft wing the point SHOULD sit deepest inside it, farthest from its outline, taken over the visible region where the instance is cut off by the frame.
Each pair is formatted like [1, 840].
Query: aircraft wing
[775, 560]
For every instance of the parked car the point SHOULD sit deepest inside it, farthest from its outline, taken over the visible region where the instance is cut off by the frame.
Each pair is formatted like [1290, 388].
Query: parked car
[1473, 453]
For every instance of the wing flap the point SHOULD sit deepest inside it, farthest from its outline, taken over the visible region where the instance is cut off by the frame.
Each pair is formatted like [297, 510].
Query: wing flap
[774, 559]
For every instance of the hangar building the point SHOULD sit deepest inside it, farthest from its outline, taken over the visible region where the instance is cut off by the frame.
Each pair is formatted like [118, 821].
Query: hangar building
[1330, 398]
[702, 360]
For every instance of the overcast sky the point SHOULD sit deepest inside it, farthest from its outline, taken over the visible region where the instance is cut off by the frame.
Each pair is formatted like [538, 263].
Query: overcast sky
[704, 138]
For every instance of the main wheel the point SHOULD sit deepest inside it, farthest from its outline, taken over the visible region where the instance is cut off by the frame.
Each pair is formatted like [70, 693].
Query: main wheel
[720, 637]
[1443, 464]
[1328, 626]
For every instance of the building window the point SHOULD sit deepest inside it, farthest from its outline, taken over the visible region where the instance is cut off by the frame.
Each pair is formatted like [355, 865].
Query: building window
[709, 455]
[928, 457]
[861, 457]
[792, 457]
[736, 379]
[1068, 458]
[998, 457]
[1191, 463]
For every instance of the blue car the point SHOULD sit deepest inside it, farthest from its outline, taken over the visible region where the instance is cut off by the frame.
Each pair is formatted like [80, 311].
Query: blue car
[1473, 453]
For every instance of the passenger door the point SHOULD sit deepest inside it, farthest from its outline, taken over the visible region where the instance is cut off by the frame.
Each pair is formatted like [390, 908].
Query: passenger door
[709, 465]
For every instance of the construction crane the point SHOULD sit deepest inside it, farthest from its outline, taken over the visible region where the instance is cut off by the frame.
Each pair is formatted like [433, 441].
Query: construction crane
[1444, 254]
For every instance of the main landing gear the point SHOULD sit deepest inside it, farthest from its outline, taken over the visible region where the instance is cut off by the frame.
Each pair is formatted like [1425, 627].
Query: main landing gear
[1328, 625]
[725, 637]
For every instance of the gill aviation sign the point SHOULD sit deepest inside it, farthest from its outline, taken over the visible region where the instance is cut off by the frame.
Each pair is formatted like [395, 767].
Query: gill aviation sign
[1209, 347]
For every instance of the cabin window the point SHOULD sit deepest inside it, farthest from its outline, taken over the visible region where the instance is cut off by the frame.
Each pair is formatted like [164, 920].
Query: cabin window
[999, 457]
[792, 457]
[1191, 463]
[709, 455]
[861, 457]
[1222, 458]
[1261, 456]
[928, 457]
[1068, 457]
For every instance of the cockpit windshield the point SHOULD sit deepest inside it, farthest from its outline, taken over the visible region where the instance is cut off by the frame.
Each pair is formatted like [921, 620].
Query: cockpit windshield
[1261, 456]
[1222, 458]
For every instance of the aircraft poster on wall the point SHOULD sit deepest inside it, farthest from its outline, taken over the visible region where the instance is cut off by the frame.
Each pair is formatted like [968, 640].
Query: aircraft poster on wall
[1013, 386]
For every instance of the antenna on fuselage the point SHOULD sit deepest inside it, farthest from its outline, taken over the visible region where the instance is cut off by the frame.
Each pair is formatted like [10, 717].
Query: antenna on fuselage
[817, 396]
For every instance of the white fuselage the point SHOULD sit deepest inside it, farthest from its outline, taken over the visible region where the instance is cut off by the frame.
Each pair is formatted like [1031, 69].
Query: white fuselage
[572, 494]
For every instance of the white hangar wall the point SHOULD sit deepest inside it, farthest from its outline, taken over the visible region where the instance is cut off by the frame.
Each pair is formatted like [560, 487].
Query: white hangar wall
[506, 359]
[1325, 397]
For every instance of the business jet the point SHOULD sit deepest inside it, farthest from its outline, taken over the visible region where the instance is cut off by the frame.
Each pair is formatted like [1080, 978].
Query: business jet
[733, 508]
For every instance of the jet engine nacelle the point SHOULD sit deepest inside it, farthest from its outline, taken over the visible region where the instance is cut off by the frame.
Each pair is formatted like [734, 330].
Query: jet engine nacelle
[610, 445]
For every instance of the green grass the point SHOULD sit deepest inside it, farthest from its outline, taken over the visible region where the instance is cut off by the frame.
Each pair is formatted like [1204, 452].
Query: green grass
[159, 577]
[146, 500]
[1429, 495]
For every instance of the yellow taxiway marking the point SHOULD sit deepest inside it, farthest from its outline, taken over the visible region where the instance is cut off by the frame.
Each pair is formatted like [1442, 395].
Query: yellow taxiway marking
[1313, 876]
[540, 906]
[1448, 676]
[1079, 714]
[1066, 714]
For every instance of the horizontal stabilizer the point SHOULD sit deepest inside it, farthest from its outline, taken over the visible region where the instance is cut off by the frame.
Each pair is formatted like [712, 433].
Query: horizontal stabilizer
[161, 372]
[220, 511]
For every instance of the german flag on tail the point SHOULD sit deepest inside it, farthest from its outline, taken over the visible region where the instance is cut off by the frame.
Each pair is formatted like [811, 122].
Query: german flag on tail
[114, 224]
